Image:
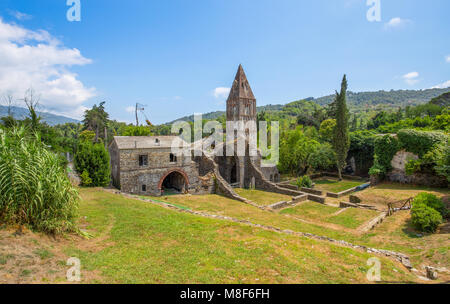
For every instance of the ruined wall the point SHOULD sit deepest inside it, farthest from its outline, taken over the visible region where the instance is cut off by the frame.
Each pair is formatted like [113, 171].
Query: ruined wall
[271, 173]
[398, 173]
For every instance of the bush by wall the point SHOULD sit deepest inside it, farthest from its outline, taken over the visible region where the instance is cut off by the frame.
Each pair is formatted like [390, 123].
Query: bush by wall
[304, 181]
[94, 160]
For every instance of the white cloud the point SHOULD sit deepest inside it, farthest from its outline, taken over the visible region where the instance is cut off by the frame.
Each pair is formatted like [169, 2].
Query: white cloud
[19, 15]
[38, 60]
[411, 78]
[397, 22]
[221, 92]
[447, 59]
[442, 85]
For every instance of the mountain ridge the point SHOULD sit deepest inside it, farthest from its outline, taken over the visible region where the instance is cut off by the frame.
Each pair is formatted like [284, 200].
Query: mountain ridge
[49, 118]
[356, 100]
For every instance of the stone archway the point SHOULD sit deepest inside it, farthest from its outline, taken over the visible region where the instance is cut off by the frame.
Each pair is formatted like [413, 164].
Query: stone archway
[174, 179]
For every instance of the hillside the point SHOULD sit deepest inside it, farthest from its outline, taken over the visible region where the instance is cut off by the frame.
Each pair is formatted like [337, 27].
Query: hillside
[50, 119]
[442, 100]
[356, 101]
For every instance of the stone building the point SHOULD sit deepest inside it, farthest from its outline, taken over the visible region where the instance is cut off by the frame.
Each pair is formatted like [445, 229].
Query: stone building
[146, 164]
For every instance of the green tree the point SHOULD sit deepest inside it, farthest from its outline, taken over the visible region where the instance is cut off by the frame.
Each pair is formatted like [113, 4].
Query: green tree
[327, 129]
[341, 139]
[96, 119]
[93, 159]
[137, 131]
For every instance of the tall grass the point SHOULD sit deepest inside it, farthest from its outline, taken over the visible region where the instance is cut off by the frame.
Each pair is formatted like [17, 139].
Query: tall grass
[34, 188]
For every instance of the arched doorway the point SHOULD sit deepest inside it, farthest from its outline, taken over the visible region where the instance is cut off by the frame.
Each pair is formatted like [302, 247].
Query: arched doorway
[175, 181]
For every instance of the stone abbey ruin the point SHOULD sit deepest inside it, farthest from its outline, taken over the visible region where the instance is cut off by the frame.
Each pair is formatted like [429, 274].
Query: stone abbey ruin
[146, 165]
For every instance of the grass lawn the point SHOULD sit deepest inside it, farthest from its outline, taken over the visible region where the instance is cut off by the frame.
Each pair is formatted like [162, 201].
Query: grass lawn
[353, 217]
[404, 239]
[311, 210]
[262, 198]
[137, 242]
[349, 218]
[333, 185]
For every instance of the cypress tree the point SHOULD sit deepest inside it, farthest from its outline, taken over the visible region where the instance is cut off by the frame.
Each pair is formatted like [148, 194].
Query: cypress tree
[341, 138]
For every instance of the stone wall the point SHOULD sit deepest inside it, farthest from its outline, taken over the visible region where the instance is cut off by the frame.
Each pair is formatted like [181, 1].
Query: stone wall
[271, 173]
[132, 176]
[398, 173]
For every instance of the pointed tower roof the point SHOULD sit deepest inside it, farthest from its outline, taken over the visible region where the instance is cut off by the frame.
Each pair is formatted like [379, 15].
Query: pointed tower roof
[240, 88]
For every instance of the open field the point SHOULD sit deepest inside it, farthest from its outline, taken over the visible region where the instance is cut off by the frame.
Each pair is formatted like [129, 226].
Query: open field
[395, 233]
[262, 198]
[139, 242]
[330, 184]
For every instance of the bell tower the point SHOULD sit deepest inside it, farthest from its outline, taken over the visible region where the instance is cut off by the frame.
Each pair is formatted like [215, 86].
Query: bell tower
[241, 103]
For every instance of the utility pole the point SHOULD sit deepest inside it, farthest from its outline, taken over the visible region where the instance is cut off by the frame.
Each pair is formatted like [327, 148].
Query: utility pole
[137, 119]
[141, 108]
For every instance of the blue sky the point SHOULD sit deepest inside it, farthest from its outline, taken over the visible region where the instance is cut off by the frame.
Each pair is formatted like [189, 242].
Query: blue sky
[173, 56]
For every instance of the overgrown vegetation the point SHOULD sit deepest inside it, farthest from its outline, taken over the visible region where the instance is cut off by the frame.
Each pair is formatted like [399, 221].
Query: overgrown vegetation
[34, 188]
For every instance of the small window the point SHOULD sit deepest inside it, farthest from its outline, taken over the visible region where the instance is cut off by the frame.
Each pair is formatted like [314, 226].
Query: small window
[143, 160]
[157, 142]
[173, 158]
[144, 188]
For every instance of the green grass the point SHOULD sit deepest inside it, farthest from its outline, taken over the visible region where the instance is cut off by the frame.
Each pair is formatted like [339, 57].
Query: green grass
[262, 198]
[311, 210]
[43, 253]
[139, 242]
[349, 218]
[352, 217]
[335, 186]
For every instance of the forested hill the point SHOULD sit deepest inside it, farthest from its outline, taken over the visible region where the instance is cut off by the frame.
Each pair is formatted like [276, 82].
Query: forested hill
[395, 98]
[50, 119]
[357, 102]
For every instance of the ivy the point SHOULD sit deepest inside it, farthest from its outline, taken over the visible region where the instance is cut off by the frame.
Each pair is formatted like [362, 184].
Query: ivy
[385, 149]
[419, 142]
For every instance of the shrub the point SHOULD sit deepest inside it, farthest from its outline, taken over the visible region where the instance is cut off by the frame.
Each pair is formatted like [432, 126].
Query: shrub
[425, 218]
[432, 201]
[85, 179]
[304, 181]
[94, 159]
[34, 188]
